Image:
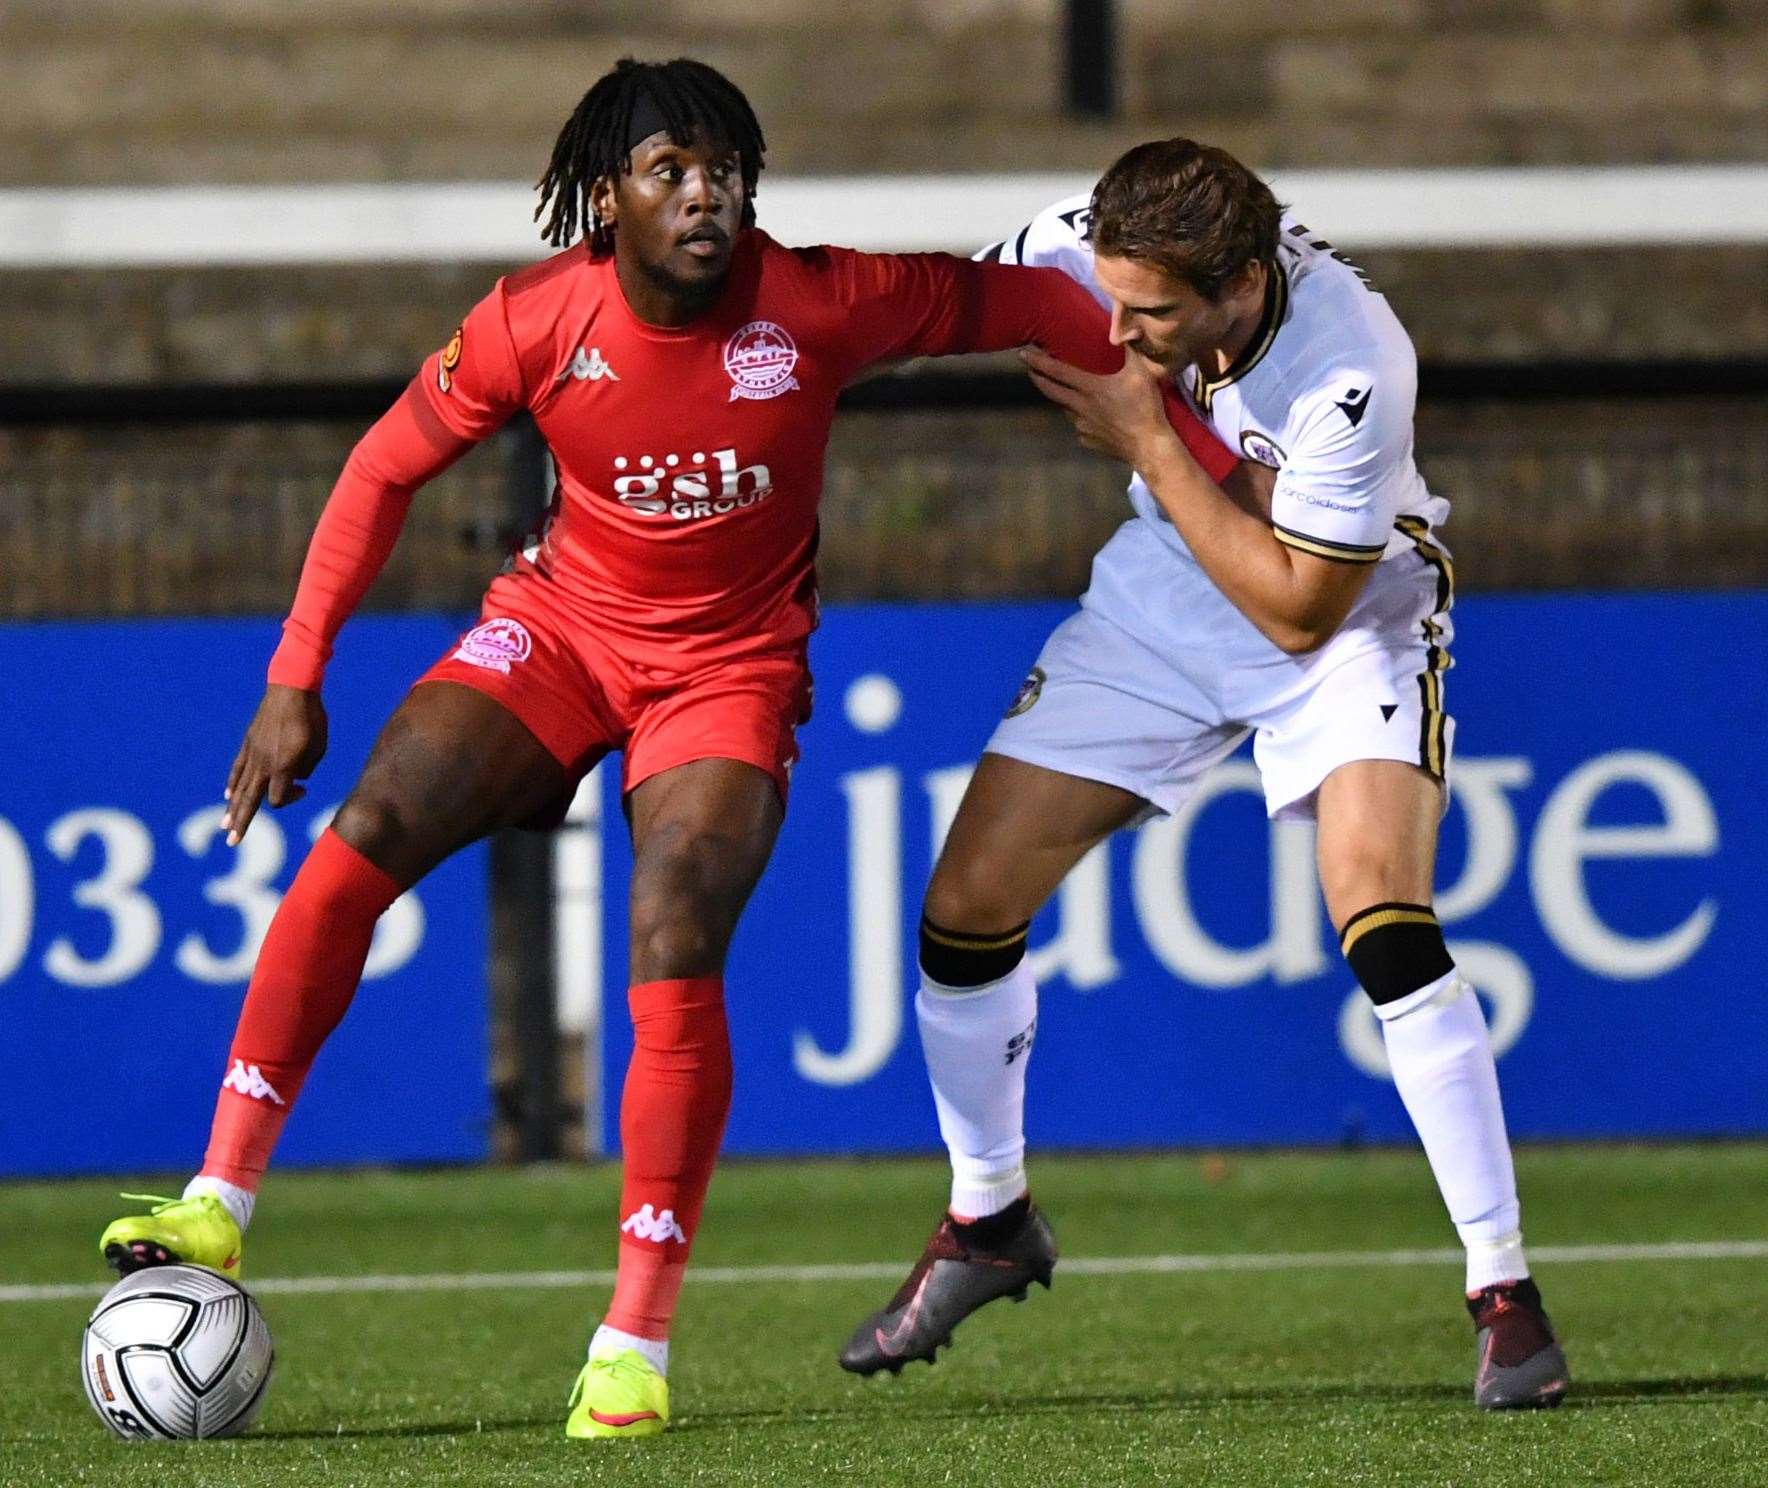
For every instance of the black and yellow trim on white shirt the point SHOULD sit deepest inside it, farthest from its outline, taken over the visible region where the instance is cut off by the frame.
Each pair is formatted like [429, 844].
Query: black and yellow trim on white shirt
[1270, 322]
[1433, 721]
[1320, 547]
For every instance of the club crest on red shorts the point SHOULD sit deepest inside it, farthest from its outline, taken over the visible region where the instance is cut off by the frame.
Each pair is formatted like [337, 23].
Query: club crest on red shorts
[494, 645]
[760, 358]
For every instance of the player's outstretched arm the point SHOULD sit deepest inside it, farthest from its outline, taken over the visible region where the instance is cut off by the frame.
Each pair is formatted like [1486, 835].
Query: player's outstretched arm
[1044, 307]
[1296, 600]
[357, 530]
[355, 535]
[283, 746]
[464, 393]
[905, 305]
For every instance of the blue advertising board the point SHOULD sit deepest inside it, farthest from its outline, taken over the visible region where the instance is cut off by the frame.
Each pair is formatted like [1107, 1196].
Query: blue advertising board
[1601, 882]
[128, 928]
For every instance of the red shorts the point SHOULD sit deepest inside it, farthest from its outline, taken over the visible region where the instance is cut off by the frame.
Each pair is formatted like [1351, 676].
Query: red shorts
[582, 700]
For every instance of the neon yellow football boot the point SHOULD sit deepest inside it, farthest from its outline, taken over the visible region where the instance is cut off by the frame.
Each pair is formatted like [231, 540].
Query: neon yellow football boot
[618, 1395]
[198, 1231]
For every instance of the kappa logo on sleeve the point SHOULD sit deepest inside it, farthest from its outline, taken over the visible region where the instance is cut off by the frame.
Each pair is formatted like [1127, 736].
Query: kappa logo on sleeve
[495, 645]
[760, 358]
[450, 359]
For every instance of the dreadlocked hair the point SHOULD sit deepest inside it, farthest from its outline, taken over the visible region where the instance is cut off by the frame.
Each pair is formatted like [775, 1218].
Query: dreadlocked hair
[690, 95]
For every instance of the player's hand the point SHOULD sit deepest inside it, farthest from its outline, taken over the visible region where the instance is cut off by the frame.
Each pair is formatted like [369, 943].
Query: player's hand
[1121, 415]
[285, 741]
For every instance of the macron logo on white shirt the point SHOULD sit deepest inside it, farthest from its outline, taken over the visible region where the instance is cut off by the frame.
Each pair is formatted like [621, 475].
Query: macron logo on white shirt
[591, 368]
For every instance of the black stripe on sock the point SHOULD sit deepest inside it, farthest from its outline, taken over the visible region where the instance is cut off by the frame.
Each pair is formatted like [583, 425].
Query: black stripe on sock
[959, 958]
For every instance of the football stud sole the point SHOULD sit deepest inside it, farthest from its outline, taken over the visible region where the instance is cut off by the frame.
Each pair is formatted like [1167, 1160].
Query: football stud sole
[137, 1255]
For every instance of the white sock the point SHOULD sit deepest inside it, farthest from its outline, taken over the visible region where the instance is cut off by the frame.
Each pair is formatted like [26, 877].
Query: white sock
[977, 1042]
[611, 1341]
[237, 1201]
[1502, 1260]
[1441, 1056]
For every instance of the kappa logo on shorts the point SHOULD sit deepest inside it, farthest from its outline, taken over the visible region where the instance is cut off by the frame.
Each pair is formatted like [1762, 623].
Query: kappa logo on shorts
[760, 358]
[495, 645]
[1030, 690]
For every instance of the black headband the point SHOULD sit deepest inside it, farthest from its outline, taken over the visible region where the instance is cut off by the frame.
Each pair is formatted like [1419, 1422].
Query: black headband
[647, 119]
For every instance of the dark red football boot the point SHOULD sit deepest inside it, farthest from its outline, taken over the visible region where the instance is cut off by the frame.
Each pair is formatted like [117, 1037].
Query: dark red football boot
[1520, 1361]
[954, 1276]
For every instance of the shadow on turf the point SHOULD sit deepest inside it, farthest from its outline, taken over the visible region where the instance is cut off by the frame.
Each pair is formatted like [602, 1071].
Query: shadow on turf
[1595, 1395]
[393, 1433]
[1639, 1392]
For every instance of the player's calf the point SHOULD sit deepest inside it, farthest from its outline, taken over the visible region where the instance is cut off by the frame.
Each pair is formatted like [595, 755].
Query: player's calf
[977, 1011]
[1441, 1056]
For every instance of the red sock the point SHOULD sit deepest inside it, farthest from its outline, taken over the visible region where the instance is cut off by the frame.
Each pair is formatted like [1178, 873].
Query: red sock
[672, 1112]
[306, 974]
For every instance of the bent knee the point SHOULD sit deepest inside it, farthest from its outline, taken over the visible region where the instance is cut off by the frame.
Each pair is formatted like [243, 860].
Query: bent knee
[681, 923]
[374, 824]
[1354, 878]
[971, 896]
[971, 932]
[669, 947]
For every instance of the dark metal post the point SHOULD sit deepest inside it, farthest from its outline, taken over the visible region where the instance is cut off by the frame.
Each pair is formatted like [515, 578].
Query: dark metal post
[1090, 58]
[523, 890]
[522, 940]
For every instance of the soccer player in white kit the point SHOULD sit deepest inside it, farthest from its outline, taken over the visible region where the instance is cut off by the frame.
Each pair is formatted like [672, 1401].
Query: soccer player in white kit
[1314, 617]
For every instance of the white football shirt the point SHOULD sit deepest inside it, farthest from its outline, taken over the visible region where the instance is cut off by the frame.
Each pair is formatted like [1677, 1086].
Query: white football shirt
[1324, 394]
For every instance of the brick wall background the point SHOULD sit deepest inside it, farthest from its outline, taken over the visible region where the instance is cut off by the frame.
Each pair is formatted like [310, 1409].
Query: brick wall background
[213, 518]
[113, 91]
[144, 91]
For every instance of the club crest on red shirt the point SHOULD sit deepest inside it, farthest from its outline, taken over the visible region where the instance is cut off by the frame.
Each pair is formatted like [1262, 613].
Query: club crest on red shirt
[760, 358]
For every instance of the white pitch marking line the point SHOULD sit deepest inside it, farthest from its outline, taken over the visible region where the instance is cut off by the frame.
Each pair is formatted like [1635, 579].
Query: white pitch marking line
[1304, 1260]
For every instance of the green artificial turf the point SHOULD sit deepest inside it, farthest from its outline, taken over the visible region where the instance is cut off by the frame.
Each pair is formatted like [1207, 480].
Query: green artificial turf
[1328, 1374]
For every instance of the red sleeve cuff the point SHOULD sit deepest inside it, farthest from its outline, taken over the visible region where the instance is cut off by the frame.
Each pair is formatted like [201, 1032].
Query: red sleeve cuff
[1208, 451]
[297, 662]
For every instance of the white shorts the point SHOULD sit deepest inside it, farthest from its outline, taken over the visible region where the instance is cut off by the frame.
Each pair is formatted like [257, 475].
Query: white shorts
[1159, 677]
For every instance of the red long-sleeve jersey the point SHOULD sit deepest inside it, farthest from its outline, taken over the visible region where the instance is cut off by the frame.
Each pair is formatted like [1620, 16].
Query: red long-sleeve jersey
[690, 460]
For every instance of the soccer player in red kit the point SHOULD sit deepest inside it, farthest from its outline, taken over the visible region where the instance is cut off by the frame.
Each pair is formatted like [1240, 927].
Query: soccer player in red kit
[683, 368]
